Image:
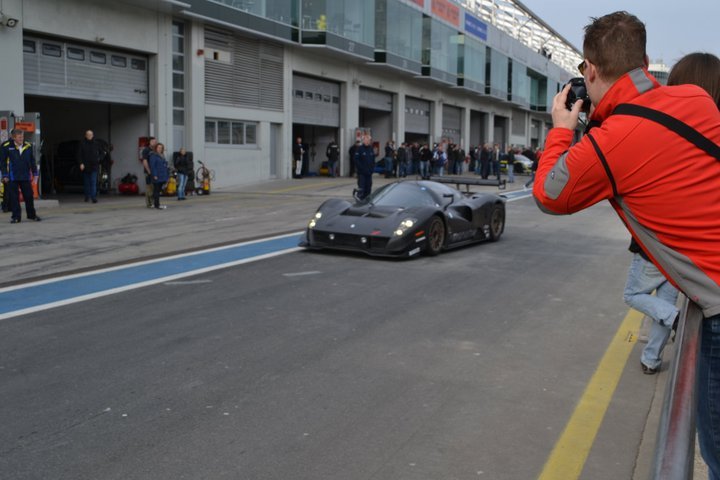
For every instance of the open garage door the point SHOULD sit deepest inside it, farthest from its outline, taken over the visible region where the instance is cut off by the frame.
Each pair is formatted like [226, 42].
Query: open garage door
[77, 87]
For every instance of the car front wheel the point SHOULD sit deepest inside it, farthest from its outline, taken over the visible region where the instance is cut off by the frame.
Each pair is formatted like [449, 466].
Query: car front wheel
[497, 222]
[435, 236]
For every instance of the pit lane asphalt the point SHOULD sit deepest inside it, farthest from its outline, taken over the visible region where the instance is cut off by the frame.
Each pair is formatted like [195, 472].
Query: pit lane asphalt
[117, 230]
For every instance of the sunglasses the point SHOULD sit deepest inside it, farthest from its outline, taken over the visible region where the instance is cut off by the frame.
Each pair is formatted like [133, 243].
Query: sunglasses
[581, 67]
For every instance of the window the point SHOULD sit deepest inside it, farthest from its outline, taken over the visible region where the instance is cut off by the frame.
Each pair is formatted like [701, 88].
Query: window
[52, 50]
[210, 132]
[74, 53]
[137, 64]
[98, 57]
[227, 132]
[118, 61]
[298, 94]
[28, 46]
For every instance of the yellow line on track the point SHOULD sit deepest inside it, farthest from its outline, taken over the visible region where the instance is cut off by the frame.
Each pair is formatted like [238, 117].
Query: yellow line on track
[570, 452]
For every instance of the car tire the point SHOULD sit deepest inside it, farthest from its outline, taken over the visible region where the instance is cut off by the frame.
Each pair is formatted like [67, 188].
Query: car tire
[497, 222]
[435, 236]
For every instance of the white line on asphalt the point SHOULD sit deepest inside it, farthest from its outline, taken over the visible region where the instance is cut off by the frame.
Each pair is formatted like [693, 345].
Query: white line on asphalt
[188, 282]
[299, 274]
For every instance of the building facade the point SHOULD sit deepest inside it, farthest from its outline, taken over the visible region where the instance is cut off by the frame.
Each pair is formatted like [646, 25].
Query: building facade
[236, 81]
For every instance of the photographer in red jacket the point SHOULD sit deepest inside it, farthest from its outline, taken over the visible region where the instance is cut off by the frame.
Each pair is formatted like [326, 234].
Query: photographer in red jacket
[664, 185]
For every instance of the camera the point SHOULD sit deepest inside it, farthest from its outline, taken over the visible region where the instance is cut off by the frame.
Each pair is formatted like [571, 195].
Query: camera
[578, 91]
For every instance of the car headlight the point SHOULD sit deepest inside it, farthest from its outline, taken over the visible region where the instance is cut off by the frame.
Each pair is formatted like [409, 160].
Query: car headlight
[404, 226]
[313, 221]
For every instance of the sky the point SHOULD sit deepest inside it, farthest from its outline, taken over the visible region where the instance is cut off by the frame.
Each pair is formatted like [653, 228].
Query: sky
[674, 27]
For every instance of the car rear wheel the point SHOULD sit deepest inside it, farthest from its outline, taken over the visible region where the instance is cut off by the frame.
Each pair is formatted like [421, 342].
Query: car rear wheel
[497, 222]
[435, 236]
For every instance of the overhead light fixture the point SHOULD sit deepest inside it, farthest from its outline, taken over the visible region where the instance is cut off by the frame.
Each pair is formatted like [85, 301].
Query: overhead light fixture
[8, 21]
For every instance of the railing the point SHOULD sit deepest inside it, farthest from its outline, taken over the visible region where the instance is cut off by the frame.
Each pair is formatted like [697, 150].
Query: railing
[675, 447]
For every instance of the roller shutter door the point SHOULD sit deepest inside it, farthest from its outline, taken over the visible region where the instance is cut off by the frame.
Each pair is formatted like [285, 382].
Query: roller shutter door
[376, 99]
[56, 68]
[316, 102]
[451, 123]
[417, 115]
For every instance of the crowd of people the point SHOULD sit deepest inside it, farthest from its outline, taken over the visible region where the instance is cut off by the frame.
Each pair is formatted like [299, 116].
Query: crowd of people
[447, 158]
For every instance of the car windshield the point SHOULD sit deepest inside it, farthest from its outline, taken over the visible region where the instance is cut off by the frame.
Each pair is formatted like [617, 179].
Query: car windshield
[404, 194]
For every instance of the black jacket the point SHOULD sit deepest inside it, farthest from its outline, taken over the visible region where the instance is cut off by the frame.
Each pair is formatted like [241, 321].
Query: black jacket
[365, 159]
[183, 163]
[89, 153]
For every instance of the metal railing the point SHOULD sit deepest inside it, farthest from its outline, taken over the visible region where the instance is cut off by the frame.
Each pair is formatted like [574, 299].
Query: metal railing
[675, 446]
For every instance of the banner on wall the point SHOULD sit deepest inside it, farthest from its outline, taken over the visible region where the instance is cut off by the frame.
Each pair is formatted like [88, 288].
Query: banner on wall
[447, 11]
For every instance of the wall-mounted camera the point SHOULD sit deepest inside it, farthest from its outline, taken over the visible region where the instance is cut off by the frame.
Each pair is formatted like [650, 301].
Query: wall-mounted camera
[578, 91]
[8, 21]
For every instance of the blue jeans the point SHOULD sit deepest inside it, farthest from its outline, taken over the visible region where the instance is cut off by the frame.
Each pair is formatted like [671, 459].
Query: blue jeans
[90, 184]
[708, 414]
[424, 166]
[388, 166]
[643, 278]
[182, 183]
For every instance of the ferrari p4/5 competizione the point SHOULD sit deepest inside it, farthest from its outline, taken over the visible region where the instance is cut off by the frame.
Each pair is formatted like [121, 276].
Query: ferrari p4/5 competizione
[404, 219]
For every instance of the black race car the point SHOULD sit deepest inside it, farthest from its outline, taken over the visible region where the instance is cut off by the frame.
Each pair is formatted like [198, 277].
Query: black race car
[407, 218]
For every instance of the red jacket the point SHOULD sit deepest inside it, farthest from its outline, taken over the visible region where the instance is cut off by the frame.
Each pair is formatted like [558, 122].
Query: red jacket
[665, 189]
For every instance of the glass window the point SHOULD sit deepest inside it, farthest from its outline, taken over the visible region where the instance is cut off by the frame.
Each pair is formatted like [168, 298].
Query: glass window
[179, 81]
[178, 28]
[51, 50]
[223, 132]
[326, 98]
[318, 97]
[137, 64]
[74, 53]
[210, 131]
[298, 94]
[178, 63]
[118, 61]
[98, 57]
[401, 31]
[179, 99]
[443, 47]
[336, 99]
[308, 95]
[29, 46]
[238, 133]
[497, 74]
[178, 45]
[178, 117]
[250, 133]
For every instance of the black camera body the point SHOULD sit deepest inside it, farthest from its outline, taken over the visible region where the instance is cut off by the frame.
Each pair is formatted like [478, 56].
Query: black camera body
[578, 91]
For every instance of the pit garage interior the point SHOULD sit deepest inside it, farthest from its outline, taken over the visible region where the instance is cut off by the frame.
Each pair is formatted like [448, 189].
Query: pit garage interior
[75, 88]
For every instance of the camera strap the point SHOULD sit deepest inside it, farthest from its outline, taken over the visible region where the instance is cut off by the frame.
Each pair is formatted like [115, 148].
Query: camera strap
[671, 123]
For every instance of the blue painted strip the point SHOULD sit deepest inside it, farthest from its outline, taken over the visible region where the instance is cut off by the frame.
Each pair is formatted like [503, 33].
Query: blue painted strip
[68, 288]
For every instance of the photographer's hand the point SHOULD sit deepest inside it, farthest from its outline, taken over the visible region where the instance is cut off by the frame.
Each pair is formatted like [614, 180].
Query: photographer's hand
[562, 117]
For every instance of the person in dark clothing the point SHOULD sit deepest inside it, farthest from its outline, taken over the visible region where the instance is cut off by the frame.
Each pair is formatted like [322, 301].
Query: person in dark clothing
[145, 159]
[365, 165]
[18, 169]
[159, 173]
[333, 154]
[182, 161]
[298, 154]
[426, 156]
[90, 152]
[403, 160]
[485, 159]
[352, 157]
[534, 158]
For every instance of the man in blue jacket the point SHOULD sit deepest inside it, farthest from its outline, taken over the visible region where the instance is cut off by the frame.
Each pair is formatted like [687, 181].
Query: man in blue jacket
[364, 166]
[18, 168]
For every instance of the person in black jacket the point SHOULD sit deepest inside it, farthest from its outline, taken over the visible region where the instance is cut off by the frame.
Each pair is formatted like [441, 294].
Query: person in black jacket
[183, 163]
[298, 154]
[89, 154]
[18, 168]
[365, 166]
[333, 154]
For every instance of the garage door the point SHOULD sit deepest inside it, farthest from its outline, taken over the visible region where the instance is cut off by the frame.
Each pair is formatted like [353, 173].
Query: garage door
[57, 68]
[316, 102]
[417, 115]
